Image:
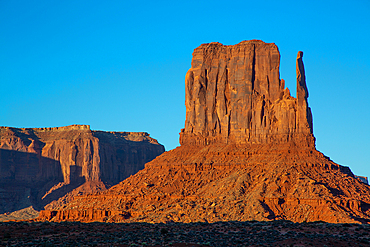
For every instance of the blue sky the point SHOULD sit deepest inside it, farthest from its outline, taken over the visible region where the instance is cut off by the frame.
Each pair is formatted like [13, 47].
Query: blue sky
[121, 65]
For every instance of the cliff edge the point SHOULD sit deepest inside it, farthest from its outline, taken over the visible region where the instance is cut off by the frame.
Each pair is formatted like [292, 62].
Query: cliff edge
[38, 166]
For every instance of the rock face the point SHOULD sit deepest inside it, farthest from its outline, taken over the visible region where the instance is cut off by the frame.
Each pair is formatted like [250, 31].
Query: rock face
[40, 165]
[234, 95]
[229, 183]
[247, 153]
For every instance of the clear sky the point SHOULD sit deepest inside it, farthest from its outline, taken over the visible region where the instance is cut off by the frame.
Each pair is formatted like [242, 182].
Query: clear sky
[121, 65]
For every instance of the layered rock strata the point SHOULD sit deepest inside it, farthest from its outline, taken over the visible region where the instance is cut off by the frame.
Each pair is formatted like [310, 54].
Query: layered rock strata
[234, 94]
[40, 165]
[247, 153]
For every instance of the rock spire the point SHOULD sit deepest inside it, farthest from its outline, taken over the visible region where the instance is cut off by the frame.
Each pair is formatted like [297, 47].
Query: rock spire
[304, 122]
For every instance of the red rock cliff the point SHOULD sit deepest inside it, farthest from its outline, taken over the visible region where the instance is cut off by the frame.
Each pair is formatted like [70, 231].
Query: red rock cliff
[234, 95]
[43, 161]
[247, 153]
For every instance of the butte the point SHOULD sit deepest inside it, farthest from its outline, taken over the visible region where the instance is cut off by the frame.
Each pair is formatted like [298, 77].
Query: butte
[247, 153]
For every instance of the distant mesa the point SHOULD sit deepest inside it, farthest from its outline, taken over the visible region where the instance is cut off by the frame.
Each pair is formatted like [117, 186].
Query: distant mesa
[247, 153]
[47, 167]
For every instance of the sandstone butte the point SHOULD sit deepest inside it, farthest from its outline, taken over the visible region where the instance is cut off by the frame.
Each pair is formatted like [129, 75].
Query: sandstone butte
[247, 153]
[47, 167]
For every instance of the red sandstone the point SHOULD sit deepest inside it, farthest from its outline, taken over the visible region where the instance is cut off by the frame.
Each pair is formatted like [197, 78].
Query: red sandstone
[49, 166]
[247, 153]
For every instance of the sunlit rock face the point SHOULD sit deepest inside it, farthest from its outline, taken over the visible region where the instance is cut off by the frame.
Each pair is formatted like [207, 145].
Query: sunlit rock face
[234, 94]
[247, 153]
[39, 165]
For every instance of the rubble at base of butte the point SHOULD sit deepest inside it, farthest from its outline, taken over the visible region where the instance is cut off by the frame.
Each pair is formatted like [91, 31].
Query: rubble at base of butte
[247, 153]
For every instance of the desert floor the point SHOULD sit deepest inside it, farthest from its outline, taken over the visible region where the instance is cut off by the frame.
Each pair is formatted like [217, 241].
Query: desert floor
[277, 233]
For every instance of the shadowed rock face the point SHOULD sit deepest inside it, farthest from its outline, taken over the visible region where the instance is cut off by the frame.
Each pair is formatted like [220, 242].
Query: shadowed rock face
[44, 164]
[234, 95]
[247, 153]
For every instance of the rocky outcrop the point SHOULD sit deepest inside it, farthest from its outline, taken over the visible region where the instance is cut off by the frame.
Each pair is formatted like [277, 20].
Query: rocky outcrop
[247, 153]
[40, 165]
[234, 94]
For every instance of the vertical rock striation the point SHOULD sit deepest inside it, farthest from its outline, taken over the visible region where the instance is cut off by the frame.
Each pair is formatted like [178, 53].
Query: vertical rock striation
[234, 94]
[39, 165]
